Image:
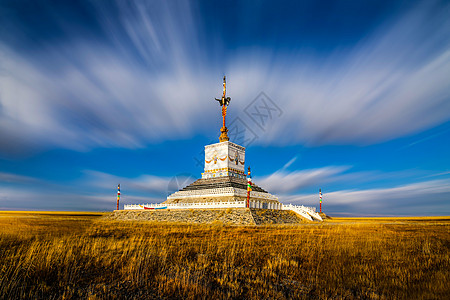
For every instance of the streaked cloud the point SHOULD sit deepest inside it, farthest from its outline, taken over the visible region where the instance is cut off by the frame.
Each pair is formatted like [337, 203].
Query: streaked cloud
[97, 190]
[420, 198]
[286, 182]
[16, 198]
[15, 178]
[158, 80]
[94, 191]
[144, 183]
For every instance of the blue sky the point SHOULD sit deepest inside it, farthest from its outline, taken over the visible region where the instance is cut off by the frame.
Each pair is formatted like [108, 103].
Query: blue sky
[352, 97]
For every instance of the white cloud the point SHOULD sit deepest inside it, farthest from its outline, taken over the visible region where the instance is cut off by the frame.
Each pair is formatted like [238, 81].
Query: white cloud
[158, 82]
[101, 103]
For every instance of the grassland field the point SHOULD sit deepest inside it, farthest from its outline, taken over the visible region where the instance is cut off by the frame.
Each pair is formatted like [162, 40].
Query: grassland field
[64, 255]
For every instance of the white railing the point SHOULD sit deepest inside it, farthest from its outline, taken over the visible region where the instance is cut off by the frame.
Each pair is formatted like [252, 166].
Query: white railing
[185, 205]
[298, 210]
[141, 206]
[312, 212]
[253, 204]
[307, 212]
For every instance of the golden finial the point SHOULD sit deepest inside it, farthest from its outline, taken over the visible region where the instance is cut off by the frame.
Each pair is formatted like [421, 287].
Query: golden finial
[224, 102]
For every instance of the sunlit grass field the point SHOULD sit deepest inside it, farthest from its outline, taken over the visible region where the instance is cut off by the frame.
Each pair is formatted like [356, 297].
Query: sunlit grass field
[64, 255]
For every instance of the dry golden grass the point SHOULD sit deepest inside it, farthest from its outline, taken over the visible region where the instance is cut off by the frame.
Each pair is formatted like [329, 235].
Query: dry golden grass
[76, 255]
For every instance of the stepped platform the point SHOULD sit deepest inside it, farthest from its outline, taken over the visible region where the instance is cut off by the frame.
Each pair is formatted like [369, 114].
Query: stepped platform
[222, 189]
[228, 216]
[221, 182]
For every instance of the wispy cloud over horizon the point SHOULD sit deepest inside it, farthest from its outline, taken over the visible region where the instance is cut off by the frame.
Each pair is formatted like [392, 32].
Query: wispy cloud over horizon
[147, 183]
[96, 191]
[419, 198]
[93, 191]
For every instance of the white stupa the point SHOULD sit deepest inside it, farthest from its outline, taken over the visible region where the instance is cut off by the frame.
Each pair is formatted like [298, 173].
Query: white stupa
[224, 176]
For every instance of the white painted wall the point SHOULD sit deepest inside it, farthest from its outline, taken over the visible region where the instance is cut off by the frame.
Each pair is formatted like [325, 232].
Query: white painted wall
[221, 157]
[219, 192]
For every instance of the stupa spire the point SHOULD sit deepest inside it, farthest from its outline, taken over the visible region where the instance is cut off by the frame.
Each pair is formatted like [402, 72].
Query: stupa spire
[224, 102]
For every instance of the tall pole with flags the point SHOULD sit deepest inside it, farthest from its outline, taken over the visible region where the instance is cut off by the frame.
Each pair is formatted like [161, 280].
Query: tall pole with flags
[118, 196]
[320, 197]
[249, 187]
[224, 102]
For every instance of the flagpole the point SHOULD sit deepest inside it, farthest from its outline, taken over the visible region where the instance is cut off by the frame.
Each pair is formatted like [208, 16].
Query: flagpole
[249, 187]
[320, 197]
[118, 196]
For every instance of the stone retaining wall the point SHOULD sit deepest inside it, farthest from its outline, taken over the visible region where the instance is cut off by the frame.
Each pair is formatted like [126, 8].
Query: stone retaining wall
[231, 216]
[273, 216]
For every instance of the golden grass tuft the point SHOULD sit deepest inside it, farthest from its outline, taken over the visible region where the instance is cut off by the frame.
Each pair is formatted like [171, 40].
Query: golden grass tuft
[76, 255]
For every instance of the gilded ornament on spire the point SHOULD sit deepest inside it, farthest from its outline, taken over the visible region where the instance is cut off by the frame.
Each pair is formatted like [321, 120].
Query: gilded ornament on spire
[224, 102]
